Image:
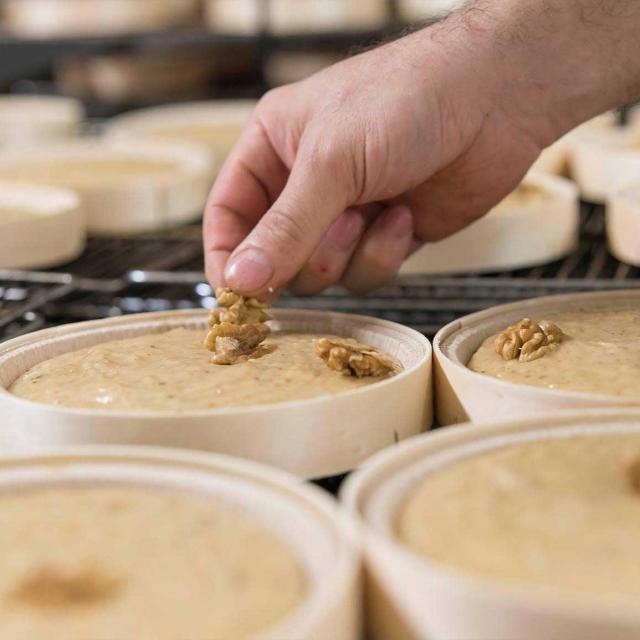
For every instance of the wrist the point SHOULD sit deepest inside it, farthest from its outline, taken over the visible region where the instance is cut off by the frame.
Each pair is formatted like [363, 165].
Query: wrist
[553, 64]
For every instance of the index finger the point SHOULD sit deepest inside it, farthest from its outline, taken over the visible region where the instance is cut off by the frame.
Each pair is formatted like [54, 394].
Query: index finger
[250, 180]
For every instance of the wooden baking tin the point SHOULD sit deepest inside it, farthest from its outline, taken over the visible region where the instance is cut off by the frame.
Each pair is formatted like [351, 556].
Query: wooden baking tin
[69, 18]
[312, 16]
[561, 159]
[410, 597]
[51, 231]
[623, 223]
[137, 78]
[225, 119]
[137, 205]
[310, 524]
[603, 156]
[29, 120]
[462, 394]
[511, 236]
[238, 17]
[313, 438]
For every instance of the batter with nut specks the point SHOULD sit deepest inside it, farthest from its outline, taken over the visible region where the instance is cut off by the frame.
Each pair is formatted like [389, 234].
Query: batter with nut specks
[599, 353]
[172, 371]
[131, 562]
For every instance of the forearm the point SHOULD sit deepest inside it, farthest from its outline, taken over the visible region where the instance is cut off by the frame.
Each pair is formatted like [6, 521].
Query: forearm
[555, 63]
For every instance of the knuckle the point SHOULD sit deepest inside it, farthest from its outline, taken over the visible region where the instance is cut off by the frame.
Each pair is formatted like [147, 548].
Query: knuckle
[326, 152]
[285, 227]
[269, 101]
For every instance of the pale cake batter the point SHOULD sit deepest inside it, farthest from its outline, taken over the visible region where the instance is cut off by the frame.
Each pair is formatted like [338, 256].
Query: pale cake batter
[173, 371]
[561, 514]
[599, 353]
[216, 136]
[91, 173]
[107, 563]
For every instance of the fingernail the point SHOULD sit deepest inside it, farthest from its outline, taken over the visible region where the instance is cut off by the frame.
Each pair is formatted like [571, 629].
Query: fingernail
[399, 222]
[249, 271]
[346, 230]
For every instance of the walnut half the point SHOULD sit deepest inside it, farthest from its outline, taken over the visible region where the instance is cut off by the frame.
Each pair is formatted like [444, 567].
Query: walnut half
[526, 341]
[237, 327]
[351, 358]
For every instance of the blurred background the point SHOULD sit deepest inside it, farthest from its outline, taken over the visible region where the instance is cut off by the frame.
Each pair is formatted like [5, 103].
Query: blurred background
[116, 114]
[122, 54]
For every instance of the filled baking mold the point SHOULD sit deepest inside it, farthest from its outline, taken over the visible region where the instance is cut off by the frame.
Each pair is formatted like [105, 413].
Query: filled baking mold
[30, 120]
[412, 597]
[512, 236]
[49, 229]
[135, 204]
[319, 437]
[320, 536]
[172, 122]
[623, 223]
[462, 394]
[68, 18]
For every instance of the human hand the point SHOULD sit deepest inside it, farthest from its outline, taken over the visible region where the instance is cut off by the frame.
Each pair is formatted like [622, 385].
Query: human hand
[337, 178]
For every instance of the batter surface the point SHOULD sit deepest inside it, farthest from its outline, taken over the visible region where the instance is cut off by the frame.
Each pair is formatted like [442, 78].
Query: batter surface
[173, 371]
[91, 173]
[106, 563]
[599, 353]
[555, 514]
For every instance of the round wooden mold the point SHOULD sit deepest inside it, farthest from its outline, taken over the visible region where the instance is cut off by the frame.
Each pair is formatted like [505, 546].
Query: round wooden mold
[29, 120]
[238, 17]
[321, 536]
[603, 156]
[462, 394]
[623, 224]
[44, 227]
[410, 597]
[135, 78]
[215, 124]
[172, 190]
[313, 16]
[561, 158]
[72, 18]
[314, 438]
[513, 235]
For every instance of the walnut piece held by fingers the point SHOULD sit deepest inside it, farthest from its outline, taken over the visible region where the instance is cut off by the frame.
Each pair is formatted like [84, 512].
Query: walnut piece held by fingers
[351, 358]
[526, 341]
[237, 327]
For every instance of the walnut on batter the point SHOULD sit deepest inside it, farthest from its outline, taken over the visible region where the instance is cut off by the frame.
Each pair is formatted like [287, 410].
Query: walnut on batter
[352, 358]
[526, 341]
[237, 327]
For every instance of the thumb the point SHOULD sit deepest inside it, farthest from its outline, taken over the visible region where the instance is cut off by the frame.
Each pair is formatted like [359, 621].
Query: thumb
[287, 235]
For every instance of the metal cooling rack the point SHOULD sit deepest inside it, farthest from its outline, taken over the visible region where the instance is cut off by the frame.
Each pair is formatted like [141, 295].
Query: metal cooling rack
[163, 271]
